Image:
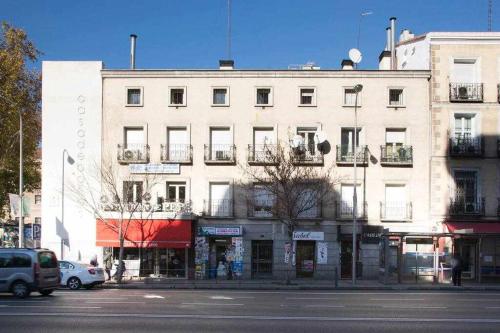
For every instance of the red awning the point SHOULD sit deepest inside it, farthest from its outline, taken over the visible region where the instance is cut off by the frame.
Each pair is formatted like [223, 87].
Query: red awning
[162, 233]
[473, 227]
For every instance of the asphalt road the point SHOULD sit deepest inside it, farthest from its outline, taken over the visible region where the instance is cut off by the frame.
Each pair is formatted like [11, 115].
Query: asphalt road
[109, 310]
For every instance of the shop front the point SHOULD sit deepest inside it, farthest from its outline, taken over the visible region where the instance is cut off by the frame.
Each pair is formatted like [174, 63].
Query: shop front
[152, 248]
[219, 252]
[309, 250]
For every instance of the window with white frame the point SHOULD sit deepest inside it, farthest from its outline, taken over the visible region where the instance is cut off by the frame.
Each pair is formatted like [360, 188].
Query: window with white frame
[38, 220]
[308, 133]
[178, 146]
[134, 96]
[307, 96]
[465, 188]
[220, 203]
[134, 137]
[221, 144]
[176, 192]
[263, 201]
[263, 96]
[395, 205]
[308, 204]
[396, 97]
[177, 96]
[220, 96]
[132, 191]
[465, 71]
[346, 205]
[347, 139]
[350, 97]
[38, 199]
[464, 125]
[395, 139]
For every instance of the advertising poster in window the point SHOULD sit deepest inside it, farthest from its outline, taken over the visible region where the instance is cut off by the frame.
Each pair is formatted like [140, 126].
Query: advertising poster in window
[237, 243]
[201, 257]
[322, 253]
[288, 250]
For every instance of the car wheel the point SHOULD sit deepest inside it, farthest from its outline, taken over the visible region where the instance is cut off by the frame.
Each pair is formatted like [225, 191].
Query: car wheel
[46, 292]
[20, 289]
[74, 283]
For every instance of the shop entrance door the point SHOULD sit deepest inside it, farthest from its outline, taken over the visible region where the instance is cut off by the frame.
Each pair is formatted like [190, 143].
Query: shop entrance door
[346, 259]
[466, 249]
[262, 259]
[305, 254]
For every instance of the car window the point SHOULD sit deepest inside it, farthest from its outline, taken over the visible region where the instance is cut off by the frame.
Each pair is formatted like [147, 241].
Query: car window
[21, 260]
[47, 260]
[71, 266]
[63, 265]
[5, 260]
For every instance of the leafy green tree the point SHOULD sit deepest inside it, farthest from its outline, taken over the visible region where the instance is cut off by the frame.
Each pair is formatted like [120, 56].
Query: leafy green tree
[20, 91]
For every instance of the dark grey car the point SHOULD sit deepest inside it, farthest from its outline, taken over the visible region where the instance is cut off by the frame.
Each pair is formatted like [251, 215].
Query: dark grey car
[25, 270]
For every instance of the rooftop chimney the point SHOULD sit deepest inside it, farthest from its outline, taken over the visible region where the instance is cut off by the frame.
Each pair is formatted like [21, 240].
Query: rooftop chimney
[347, 65]
[225, 65]
[132, 51]
[393, 44]
[388, 43]
[405, 35]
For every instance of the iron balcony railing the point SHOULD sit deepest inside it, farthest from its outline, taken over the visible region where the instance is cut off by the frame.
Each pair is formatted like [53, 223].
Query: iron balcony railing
[177, 153]
[464, 207]
[263, 208]
[345, 154]
[396, 211]
[315, 212]
[218, 208]
[344, 210]
[133, 153]
[262, 153]
[466, 92]
[466, 147]
[305, 154]
[396, 155]
[220, 153]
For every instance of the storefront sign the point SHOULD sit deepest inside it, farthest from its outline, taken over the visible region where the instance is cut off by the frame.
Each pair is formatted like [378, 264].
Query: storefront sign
[422, 240]
[37, 231]
[220, 231]
[309, 235]
[370, 234]
[322, 253]
[288, 251]
[155, 168]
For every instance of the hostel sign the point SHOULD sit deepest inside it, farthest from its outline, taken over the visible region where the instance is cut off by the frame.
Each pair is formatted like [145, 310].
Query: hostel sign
[308, 235]
[220, 231]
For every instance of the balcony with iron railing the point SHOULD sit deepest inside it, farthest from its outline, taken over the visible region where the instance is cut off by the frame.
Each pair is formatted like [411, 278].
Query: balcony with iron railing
[218, 208]
[396, 155]
[345, 155]
[262, 154]
[344, 210]
[466, 207]
[314, 212]
[133, 153]
[220, 154]
[466, 92]
[466, 147]
[307, 155]
[396, 211]
[177, 153]
[261, 208]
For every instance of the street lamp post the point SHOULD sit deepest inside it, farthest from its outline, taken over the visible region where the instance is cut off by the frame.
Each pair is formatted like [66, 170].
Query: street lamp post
[357, 90]
[70, 161]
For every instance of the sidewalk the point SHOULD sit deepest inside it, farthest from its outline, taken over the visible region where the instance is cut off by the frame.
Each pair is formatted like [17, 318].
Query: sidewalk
[151, 283]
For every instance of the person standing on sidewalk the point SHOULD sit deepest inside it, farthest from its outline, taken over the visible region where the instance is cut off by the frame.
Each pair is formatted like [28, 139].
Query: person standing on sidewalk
[108, 263]
[456, 270]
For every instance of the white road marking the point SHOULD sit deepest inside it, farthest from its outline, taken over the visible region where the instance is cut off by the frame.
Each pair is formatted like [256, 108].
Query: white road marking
[412, 307]
[52, 306]
[220, 297]
[323, 306]
[113, 302]
[492, 307]
[312, 298]
[22, 302]
[396, 299]
[154, 296]
[213, 304]
[249, 317]
[476, 300]
[95, 298]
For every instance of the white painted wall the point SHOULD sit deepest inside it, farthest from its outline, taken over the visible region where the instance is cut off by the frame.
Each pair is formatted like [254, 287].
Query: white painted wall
[71, 119]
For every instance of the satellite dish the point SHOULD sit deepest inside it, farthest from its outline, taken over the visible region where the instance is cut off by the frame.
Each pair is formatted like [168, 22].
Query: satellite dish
[319, 137]
[297, 141]
[355, 56]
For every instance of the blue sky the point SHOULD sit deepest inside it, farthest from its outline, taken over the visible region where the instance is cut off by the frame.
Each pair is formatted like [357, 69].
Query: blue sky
[266, 33]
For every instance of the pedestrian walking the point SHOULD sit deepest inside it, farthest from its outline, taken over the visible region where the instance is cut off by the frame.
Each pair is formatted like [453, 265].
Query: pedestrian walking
[108, 263]
[93, 261]
[456, 270]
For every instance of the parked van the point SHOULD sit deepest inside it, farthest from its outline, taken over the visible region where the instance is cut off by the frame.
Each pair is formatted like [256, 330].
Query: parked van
[25, 270]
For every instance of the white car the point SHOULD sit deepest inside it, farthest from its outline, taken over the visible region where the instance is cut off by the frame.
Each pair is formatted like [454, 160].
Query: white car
[74, 275]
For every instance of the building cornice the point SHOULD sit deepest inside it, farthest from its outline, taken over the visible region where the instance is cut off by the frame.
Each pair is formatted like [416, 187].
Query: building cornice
[204, 73]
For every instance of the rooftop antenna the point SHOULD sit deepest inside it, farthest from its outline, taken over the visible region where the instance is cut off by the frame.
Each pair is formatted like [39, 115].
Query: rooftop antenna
[361, 15]
[490, 13]
[228, 29]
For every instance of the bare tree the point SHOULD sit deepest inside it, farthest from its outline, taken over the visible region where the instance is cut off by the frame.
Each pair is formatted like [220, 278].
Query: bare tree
[118, 202]
[283, 183]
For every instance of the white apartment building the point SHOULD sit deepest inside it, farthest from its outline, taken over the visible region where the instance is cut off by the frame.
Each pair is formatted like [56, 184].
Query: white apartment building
[465, 124]
[178, 140]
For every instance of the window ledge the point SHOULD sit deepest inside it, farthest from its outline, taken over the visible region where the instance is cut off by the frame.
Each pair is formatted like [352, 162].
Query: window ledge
[220, 105]
[307, 105]
[396, 106]
[133, 105]
[263, 105]
[350, 106]
[177, 105]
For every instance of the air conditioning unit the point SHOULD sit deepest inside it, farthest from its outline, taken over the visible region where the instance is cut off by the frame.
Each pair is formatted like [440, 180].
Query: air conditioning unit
[221, 155]
[129, 154]
[462, 93]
